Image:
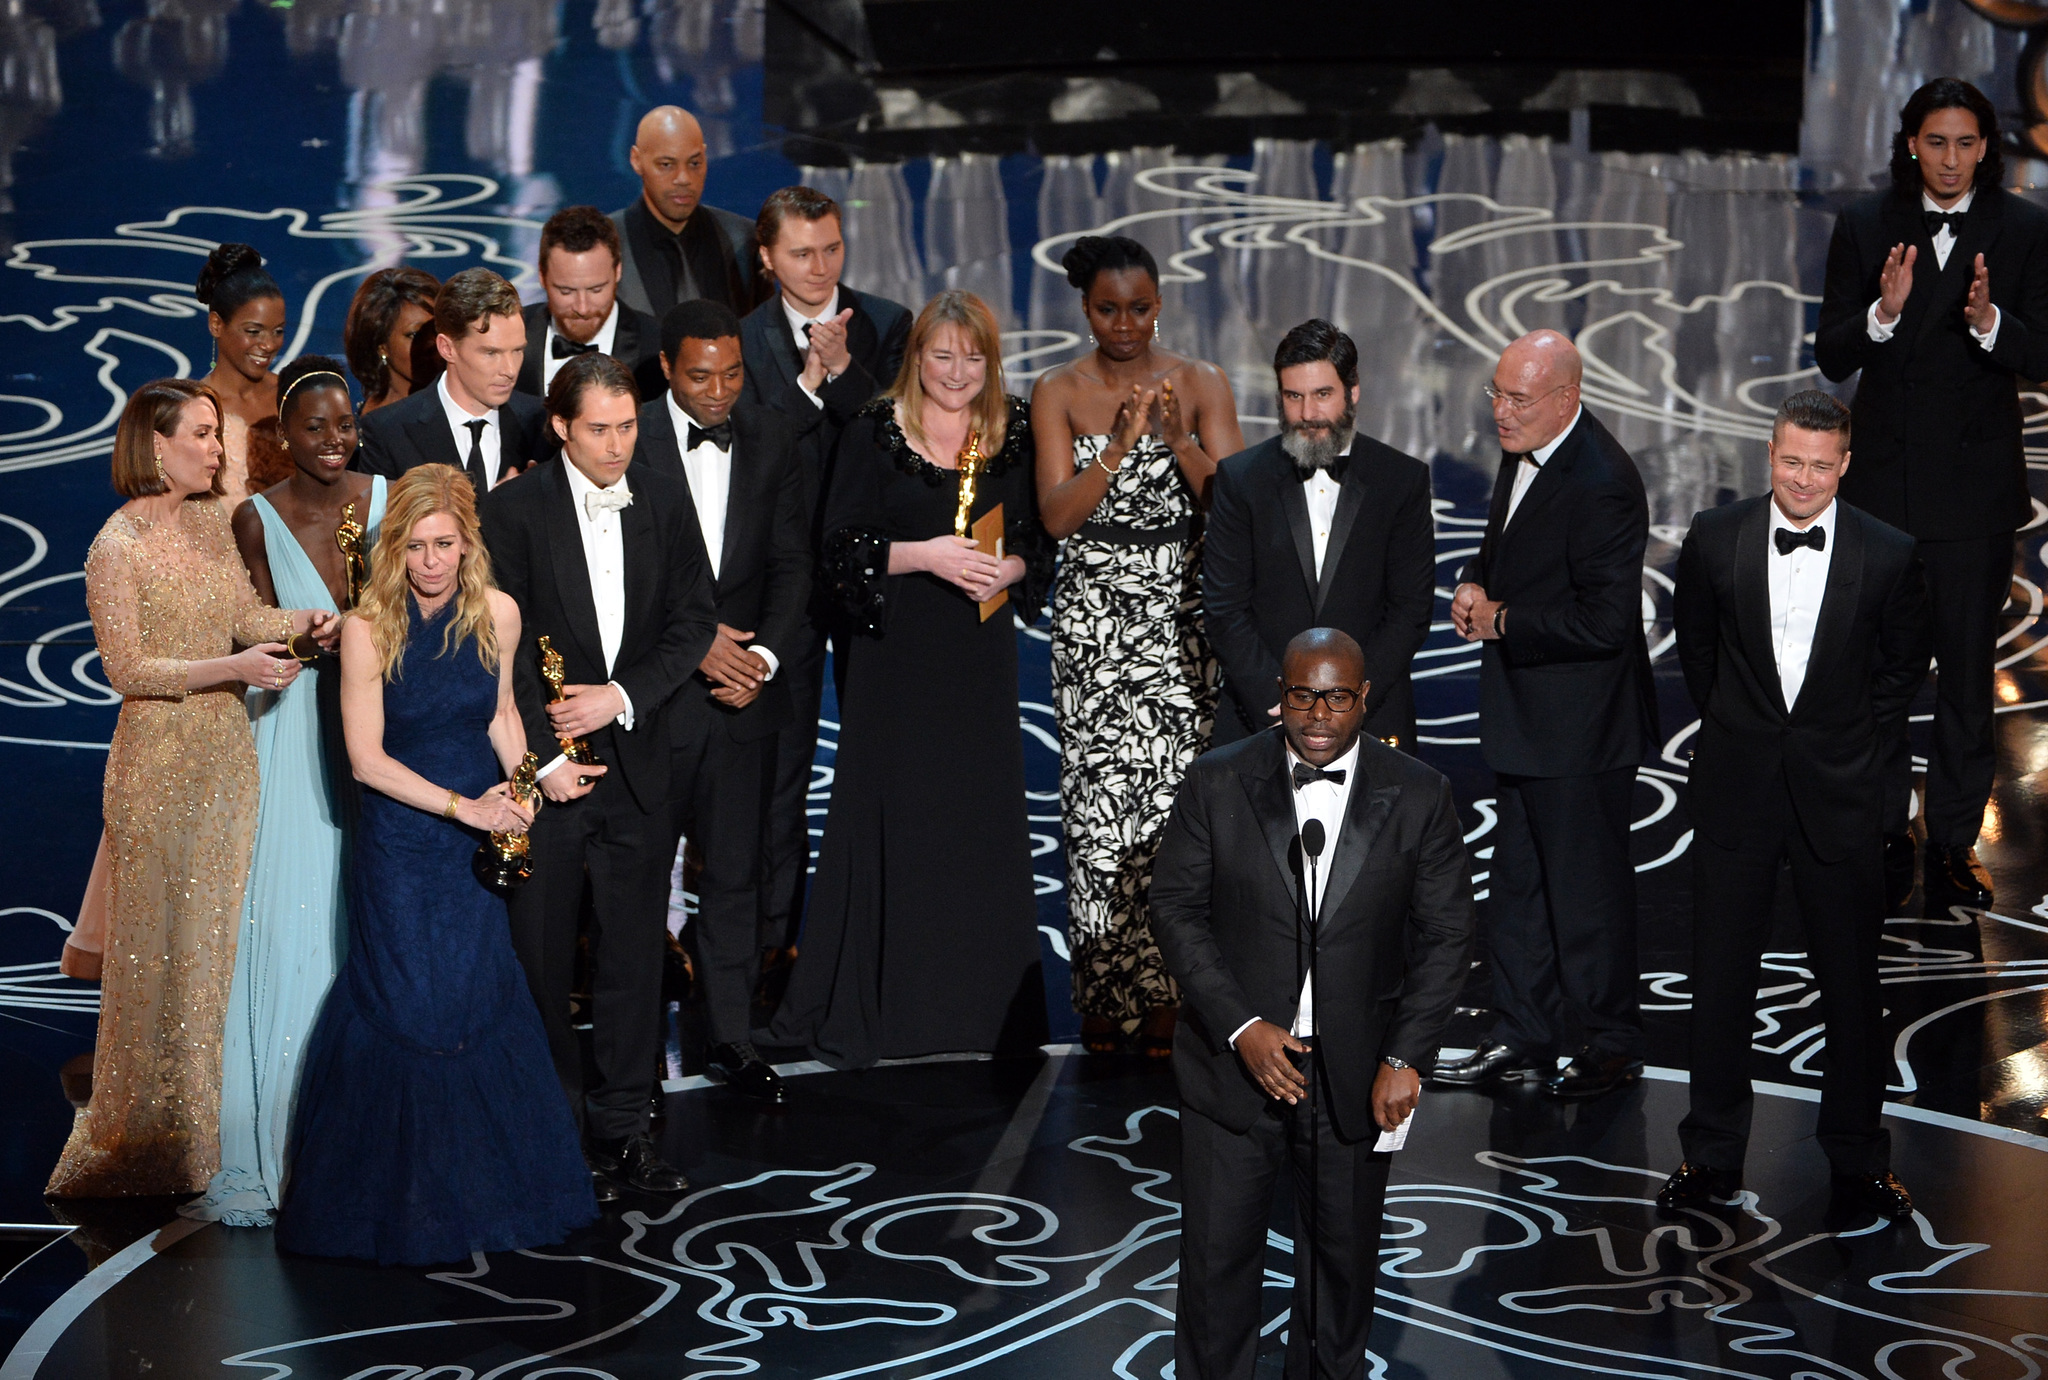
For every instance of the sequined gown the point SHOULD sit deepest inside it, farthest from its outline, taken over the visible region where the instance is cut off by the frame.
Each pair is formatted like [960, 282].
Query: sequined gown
[180, 807]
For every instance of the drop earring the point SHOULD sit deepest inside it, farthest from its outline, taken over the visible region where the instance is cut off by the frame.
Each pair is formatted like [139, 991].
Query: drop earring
[1155, 328]
[162, 476]
[1091, 340]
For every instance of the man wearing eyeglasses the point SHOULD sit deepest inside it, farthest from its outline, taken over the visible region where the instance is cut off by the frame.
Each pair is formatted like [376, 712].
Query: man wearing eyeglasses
[1567, 711]
[1312, 990]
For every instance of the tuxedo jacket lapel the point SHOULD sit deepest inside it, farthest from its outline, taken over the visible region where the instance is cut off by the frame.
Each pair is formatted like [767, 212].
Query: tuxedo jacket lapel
[641, 545]
[1294, 503]
[1548, 482]
[1272, 801]
[572, 569]
[1950, 287]
[1753, 598]
[1365, 814]
[1350, 498]
[1838, 603]
[432, 438]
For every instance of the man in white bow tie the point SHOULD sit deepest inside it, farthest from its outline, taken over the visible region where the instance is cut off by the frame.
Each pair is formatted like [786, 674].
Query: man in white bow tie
[601, 565]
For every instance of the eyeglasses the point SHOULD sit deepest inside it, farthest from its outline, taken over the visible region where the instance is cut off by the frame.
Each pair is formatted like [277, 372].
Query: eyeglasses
[1301, 699]
[1515, 404]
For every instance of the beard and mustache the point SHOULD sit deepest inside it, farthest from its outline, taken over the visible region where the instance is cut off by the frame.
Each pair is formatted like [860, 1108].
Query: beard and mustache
[1316, 445]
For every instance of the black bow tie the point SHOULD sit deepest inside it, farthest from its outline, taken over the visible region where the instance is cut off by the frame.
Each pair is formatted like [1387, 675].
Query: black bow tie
[1934, 220]
[565, 348]
[720, 436]
[1789, 541]
[1304, 773]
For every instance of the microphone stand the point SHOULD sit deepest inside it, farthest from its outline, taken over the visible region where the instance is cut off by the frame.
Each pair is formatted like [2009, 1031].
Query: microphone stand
[1312, 907]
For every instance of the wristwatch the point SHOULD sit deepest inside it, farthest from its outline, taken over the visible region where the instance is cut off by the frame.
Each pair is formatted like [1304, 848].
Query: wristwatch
[1397, 1065]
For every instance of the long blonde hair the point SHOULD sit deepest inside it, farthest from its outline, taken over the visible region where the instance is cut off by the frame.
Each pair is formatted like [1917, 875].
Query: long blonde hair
[414, 496]
[954, 307]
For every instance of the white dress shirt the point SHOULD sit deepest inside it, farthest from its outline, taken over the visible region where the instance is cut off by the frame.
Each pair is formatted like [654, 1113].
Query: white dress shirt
[1532, 465]
[1798, 581]
[458, 426]
[1944, 241]
[1322, 491]
[1326, 801]
[604, 555]
[709, 472]
[606, 336]
[797, 321]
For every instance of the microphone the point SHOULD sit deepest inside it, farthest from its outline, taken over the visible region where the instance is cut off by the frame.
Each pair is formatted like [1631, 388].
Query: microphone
[1312, 838]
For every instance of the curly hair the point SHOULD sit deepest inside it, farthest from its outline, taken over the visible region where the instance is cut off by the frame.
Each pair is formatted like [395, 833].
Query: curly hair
[386, 604]
[1096, 254]
[233, 277]
[1946, 93]
[372, 315]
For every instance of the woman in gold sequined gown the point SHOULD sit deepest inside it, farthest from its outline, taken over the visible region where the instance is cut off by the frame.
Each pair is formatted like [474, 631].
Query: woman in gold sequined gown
[170, 599]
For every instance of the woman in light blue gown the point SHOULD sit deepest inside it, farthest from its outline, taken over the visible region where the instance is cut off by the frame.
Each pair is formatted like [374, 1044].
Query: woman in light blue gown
[292, 936]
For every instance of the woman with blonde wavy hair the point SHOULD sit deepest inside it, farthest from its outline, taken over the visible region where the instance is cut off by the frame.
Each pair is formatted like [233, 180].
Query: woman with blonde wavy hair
[922, 931]
[430, 1123]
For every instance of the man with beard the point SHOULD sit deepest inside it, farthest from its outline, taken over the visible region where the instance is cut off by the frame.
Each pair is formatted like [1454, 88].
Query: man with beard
[1318, 527]
[1566, 712]
[580, 264]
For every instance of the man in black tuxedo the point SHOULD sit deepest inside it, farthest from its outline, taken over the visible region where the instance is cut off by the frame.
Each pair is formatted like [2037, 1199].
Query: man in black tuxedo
[1279, 1072]
[580, 264]
[676, 247]
[817, 352]
[1938, 291]
[1802, 628]
[1567, 711]
[747, 521]
[1321, 526]
[471, 418]
[602, 567]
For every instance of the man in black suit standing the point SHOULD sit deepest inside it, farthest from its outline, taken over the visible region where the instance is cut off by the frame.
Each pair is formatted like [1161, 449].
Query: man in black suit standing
[676, 247]
[747, 520]
[471, 418]
[602, 567]
[1322, 526]
[580, 264]
[1567, 711]
[1802, 628]
[817, 352]
[1938, 291]
[1306, 1010]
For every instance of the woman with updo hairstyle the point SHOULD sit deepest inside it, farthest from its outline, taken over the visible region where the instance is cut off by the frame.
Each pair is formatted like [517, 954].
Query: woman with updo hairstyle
[170, 605]
[292, 933]
[245, 316]
[1127, 438]
[391, 307]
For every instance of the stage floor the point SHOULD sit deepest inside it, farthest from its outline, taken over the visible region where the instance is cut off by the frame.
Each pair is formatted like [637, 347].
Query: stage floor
[1690, 282]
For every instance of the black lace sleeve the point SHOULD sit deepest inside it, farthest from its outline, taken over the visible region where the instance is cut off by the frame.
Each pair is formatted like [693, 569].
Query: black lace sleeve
[854, 564]
[1024, 536]
[855, 570]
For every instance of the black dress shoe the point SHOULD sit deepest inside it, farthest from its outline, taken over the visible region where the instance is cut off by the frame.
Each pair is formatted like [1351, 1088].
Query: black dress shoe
[633, 1161]
[1878, 1193]
[600, 1183]
[1955, 877]
[745, 1072]
[1594, 1075]
[1492, 1062]
[1695, 1186]
[1898, 872]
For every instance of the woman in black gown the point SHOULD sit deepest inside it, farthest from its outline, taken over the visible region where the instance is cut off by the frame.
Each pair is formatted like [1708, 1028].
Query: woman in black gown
[922, 932]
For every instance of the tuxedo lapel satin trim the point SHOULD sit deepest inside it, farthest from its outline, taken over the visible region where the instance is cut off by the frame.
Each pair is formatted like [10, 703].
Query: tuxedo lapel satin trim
[1951, 286]
[1837, 604]
[1365, 816]
[1350, 498]
[572, 569]
[1294, 503]
[640, 546]
[1753, 598]
[1272, 800]
[1548, 481]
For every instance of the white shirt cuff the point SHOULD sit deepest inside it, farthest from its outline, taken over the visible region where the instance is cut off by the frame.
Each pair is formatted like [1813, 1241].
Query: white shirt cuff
[1990, 337]
[559, 759]
[816, 401]
[1241, 1030]
[625, 719]
[1879, 331]
[774, 661]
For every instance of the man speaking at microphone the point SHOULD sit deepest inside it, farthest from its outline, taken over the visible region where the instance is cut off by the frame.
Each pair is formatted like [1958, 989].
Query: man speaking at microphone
[1313, 988]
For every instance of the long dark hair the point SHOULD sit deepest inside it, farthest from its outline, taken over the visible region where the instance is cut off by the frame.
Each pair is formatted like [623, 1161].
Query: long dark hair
[1946, 93]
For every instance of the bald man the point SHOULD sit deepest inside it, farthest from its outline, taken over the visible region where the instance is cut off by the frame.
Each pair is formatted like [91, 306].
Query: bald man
[676, 247]
[1567, 711]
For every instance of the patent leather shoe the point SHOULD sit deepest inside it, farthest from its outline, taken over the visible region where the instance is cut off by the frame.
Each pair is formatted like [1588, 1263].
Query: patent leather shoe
[1898, 872]
[745, 1072]
[633, 1161]
[1878, 1193]
[1956, 878]
[1594, 1075]
[1492, 1062]
[1696, 1186]
[601, 1183]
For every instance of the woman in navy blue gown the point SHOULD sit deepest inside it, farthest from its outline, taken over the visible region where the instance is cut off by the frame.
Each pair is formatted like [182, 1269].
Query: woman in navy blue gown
[430, 1123]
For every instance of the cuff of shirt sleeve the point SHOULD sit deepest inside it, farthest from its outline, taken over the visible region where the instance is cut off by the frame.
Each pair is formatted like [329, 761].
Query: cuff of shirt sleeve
[816, 401]
[559, 759]
[1241, 1030]
[1990, 337]
[1879, 331]
[625, 719]
[774, 661]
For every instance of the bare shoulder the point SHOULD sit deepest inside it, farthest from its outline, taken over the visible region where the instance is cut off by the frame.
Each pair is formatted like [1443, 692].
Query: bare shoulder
[505, 613]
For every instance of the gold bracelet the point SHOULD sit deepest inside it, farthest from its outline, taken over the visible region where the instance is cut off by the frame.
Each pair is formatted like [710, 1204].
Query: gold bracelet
[454, 800]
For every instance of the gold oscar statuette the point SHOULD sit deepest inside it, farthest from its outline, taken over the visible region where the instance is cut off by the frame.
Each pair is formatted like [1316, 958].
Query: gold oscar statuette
[575, 749]
[987, 530]
[349, 537]
[502, 861]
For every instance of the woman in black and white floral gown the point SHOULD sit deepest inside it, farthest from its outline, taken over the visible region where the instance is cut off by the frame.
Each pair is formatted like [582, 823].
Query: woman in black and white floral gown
[1127, 438]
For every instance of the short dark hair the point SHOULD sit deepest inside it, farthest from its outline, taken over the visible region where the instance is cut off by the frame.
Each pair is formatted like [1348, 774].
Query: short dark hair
[234, 277]
[372, 315]
[579, 229]
[1317, 340]
[1946, 93]
[291, 392]
[697, 319]
[1096, 254]
[468, 298]
[805, 203]
[583, 373]
[1812, 410]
